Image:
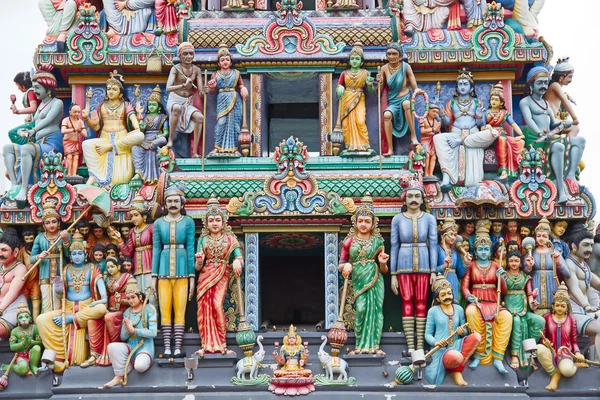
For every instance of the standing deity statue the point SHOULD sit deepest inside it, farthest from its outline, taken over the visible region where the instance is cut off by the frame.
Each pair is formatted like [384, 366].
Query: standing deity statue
[443, 318]
[25, 340]
[22, 161]
[508, 148]
[414, 261]
[559, 341]
[155, 127]
[364, 259]
[484, 315]
[108, 158]
[30, 105]
[398, 79]
[86, 299]
[430, 125]
[353, 111]
[560, 102]
[11, 284]
[60, 18]
[137, 332]
[32, 283]
[73, 129]
[218, 253]
[450, 262]
[173, 267]
[563, 154]
[460, 152]
[52, 260]
[184, 85]
[520, 301]
[126, 17]
[229, 104]
[543, 263]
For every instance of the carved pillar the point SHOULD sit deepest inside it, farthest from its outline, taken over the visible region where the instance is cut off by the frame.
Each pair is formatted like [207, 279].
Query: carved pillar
[325, 112]
[251, 289]
[256, 113]
[331, 278]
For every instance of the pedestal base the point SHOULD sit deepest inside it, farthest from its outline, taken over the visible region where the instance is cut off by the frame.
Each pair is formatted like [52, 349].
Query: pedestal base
[292, 386]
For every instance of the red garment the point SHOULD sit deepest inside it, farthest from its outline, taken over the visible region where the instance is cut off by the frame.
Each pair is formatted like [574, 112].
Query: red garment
[414, 290]
[568, 335]
[455, 361]
[471, 285]
[139, 247]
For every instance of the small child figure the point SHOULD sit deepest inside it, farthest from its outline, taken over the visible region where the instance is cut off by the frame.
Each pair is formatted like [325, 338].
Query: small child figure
[429, 126]
[73, 129]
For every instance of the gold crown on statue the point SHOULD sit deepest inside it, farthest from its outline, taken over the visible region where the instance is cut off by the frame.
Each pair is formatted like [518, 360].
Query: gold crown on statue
[562, 294]
[156, 95]
[440, 283]
[292, 330]
[357, 50]
[138, 204]
[78, 242]
[49, 210]
[115, 79]
[365, 208]
[223, 51]
[213, 208]
[543, 225]
[23, 309]
[448, 225]
[465, 73]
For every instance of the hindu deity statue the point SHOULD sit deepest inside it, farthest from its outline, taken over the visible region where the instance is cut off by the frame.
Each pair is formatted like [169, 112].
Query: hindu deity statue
[543, 265]
[414, 261]
[525, 12]
[424, 15]
[398, 79]
[363, 257]
[52, 260]
[520, 301]
[25, 340]
[558, 230]
[118, 284]
[460, 151]
[430, 125]
[184, 86]
[173, 267]
[583, 284]
[559, 344]
[32, 282]
[443, 318]
[138, 244]
[292, 356]
[60, 18]
[85, 300]
[481, 226]
[30, 105]
[508, 148]
[21, 161]
[353, 112]
[74, 131]
[155, 126]
[11, 283]
[563, 154]
[229, 104]
[127, 17]
[484, 315]
[560, 102]
[218, 253]
[138, 331]
[170, 12]
[450, 262]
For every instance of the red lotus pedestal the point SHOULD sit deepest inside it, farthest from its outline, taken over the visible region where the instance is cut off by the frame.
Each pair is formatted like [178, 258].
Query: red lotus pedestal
[292, 385]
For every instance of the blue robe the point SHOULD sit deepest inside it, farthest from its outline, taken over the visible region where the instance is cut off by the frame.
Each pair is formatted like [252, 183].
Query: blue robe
[418, 254]
[455, 273]
[542, 275]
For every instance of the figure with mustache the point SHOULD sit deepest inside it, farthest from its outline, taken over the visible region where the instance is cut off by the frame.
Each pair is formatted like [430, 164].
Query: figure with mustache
[581, 282]
[32, 283]
[414, 261]
[442, 319]
[11, 283]
[173, 268]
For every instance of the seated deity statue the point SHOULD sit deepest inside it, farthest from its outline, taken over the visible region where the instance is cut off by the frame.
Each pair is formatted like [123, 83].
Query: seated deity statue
[292, 356]
[125, 17]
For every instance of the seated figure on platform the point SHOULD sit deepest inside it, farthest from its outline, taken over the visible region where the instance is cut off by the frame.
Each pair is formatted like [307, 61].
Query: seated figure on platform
[479, 288]
[125, 17]
[11, 287]
[59, 16]
[30, 105]
[21, 161]
[563, 154]
[443, 318]
[559, 340]
[25, 340]
[108, 158]
[86, 299]
[560, 102]
[424, 15]
[460, 152]
[138, 331]
[292, 356]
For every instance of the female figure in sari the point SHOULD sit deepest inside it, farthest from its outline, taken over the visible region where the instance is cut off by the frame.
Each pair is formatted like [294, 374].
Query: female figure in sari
[107, 330]
[508, 148]
[30, 105]
[520, 301]
[353, 113]
[229, 104]
[218, 252]
[108, 157]
[363, 256]
[155, 126]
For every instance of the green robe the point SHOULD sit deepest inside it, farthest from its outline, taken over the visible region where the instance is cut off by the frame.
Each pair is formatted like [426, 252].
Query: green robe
[173, 248]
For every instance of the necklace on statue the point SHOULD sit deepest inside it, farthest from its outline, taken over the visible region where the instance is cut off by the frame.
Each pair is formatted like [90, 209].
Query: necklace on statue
[77, 278]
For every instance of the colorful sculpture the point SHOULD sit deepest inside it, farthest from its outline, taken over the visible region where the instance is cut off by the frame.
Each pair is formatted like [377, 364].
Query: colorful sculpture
[559, 341]
[84, 300]
[444, 317]
[25, 341]
[542, 131]
[353, 112]
[292, 378]
[430, 125]
[21, 160]
[414, 258]
[170, 12]
[520, 301]
[11, 284]
[512, 233]
[229, 105]
[217, 254]
[59, 17]
[184, 86]
[30, 105]
[424, 15]
[32, 283]
[363, 258]
[155, 126]
[560, 102]
[526, 13]
[173, 268]
[481, 286]
[450, 263]
[108, 158]
[460, 151]
[558, 230]
[127, 17]
[73, 129]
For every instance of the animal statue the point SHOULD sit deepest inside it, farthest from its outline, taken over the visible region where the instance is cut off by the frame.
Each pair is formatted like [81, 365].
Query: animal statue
[331, 364]
[249, 365]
